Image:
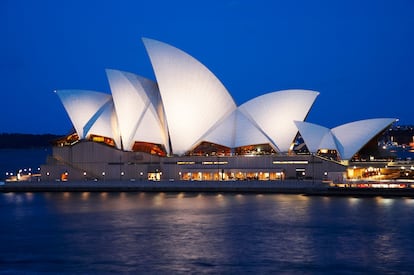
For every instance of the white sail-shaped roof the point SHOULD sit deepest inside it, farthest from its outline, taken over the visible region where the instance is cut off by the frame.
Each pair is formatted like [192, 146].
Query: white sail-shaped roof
[84, 108]
[236, 130]
[193, 98]
[347, 139]
[276, 112]
[136, 99]
[224, 132]
[248, 133]
[315, 136]
[353, 136]
[189, 105]
[106, 125]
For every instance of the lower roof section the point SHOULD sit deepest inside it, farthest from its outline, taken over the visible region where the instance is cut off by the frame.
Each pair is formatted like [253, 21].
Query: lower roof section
[275, 113]
[347, 139]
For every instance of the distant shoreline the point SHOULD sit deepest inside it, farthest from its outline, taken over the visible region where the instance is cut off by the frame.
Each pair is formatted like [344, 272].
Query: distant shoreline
[308, 188]
[26, 141]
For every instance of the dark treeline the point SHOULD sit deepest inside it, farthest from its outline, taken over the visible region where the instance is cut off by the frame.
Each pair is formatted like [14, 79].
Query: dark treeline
[26, 140]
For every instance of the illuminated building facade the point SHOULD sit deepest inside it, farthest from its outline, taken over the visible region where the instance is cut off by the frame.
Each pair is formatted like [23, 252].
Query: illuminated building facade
[186, 126]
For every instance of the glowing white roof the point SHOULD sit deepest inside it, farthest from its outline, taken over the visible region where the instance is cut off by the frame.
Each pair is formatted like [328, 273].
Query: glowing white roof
[353, 136]
[106, 125]
[236, 130]
[315, 136]
[276, 112]
[194, 99]
[136, 101]
[84, 108]
[347, 139]
[248, 133]
[190, 105]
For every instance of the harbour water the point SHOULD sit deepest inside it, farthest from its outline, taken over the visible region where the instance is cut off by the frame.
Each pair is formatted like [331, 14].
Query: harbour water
[135, 232]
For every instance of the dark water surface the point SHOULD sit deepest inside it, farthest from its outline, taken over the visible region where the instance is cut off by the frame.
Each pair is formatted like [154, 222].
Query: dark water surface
[204, 233]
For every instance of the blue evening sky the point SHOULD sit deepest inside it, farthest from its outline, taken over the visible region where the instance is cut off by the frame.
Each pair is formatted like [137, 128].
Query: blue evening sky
[358, 54]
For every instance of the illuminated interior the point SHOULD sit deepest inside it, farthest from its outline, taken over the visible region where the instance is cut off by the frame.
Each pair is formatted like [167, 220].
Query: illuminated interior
[258, 149]
[150, 148]
[221, 175]
[67, 140]
[328, 154]
[209, 149]
[101, 139]
[154, 176]
[378, 174]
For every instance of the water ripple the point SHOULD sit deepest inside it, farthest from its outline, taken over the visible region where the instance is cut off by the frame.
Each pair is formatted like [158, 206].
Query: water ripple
[204, 233]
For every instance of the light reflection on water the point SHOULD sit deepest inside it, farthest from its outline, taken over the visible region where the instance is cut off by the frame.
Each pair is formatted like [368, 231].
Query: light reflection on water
[215, 233]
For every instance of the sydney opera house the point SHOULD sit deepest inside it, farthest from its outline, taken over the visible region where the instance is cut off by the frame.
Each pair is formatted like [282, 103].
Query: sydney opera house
[185, 125]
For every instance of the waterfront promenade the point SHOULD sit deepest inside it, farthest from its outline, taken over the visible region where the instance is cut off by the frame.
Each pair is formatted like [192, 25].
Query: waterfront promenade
[304, 187]
[287, 186]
